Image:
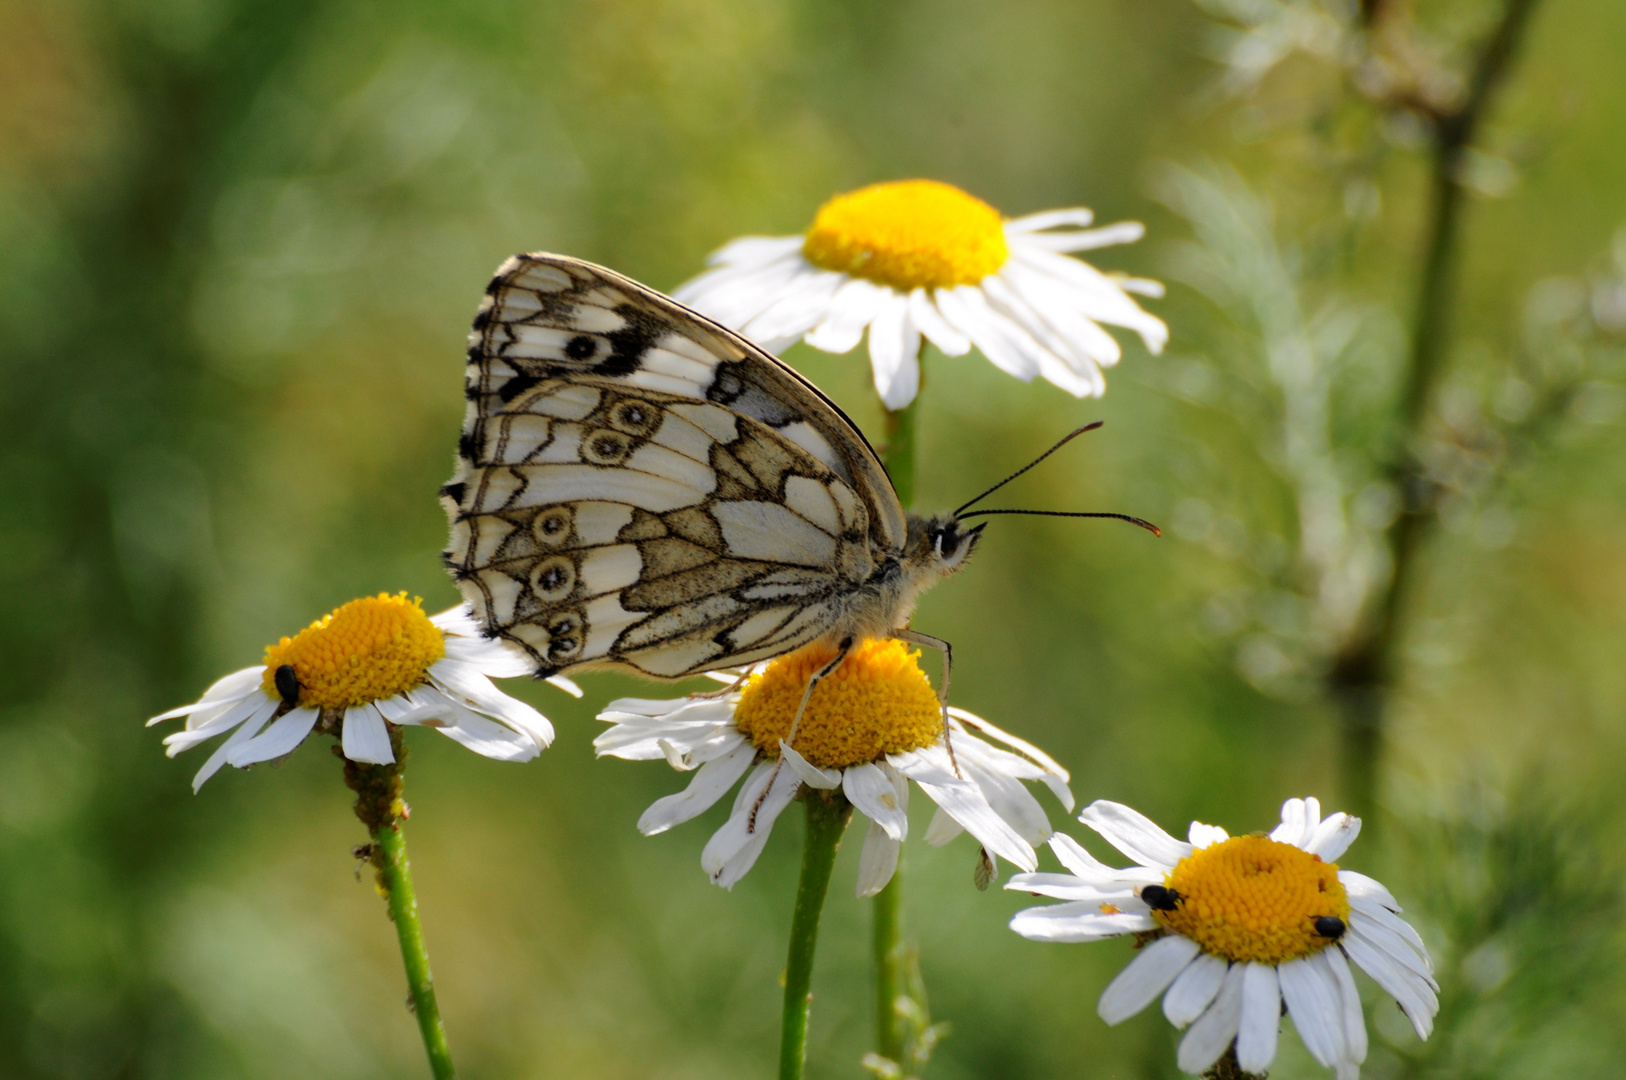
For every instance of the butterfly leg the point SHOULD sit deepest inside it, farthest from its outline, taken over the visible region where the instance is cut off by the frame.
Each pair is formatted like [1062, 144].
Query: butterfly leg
[915, 637]
[707, 695]
[817, 677]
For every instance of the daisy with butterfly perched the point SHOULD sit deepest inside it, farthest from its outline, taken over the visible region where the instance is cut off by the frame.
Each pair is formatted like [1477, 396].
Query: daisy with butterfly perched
[640, 488]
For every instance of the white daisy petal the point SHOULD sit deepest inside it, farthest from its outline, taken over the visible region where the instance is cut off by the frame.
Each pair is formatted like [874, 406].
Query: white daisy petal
[811, 775]
[893, 344]
[1292, 829]
[1089, 869]
[1194, 989]
[1055, 355]
[882, 798]
[1261, 1018]
[1395, 945]
[1349, 1001]
[473, 686]
[493, 657]
[710, 783]
[1077, 922]
[1068, 887]
[250, 728]
[488, 738]
[1211, 1033]
[567, 685]
[1049, 219]
[285, 733]
[1124, 232]
[365, 737]
[924, 314]
[1006, 793]
[942, 828]
[1376, 912]
[1134, 834]
[1022, 746]
[208, 728]
[1312, 997]
[227, 689]
[1360, 885]
[802, 304]
[1145, 977]
[1078, 345]
[733, 849]
[735, 295]
[749, 251]
[1095, 295]
[851, 309]
[1415, 997]
[967, 805]
[1202, 836]
[1333, 836]
[974, 321]
[878, 861]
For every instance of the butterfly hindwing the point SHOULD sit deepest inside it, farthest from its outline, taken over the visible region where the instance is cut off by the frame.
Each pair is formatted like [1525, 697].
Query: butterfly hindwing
[640, 487]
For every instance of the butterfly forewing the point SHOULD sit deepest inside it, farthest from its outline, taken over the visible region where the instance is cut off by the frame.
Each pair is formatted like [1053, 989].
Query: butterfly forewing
[641, 487]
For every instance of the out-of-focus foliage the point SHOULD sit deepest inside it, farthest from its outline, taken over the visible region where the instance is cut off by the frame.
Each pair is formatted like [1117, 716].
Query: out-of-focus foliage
[240, 243]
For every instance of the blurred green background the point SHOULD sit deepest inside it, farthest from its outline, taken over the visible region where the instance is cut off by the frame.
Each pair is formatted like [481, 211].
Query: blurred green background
[240, 245]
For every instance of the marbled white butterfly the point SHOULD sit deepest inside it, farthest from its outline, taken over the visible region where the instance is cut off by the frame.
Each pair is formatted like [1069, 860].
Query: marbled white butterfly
[640, 488]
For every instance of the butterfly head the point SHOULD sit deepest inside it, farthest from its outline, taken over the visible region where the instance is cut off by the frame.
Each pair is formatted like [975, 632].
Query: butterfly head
[941, 544]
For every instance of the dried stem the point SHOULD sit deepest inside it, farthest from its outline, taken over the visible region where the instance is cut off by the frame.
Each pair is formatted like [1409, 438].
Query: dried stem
[1366, 668]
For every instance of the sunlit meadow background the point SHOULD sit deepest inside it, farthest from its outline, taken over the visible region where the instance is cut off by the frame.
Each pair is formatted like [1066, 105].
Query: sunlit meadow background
[240, 244]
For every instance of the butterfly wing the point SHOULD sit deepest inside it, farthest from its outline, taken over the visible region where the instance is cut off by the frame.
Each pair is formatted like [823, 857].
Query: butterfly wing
[640, 487]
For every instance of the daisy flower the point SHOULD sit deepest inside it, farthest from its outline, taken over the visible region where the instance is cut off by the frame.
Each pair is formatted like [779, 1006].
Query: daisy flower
[1236, 928]
[369, 664]
[870, 727]
[919, 259]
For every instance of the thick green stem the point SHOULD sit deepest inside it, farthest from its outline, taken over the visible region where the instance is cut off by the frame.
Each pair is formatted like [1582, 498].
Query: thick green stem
[888, 946]
[899, 453]
[887, 937]
[827, 817]
[381, 809]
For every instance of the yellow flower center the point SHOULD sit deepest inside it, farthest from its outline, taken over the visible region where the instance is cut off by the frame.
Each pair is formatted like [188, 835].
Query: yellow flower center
[877, 702]
[908, 234]
[366, 650]
[1254, 898]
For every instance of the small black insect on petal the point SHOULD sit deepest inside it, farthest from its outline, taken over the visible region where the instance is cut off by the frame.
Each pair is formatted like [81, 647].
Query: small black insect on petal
[1160, 898]
[287, 684]
[1329, 926]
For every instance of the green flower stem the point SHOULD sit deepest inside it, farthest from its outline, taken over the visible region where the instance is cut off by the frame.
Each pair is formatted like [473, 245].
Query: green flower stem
[888, 945]
[827, 817]
[887, 935]
[899, 455]
[381, 809]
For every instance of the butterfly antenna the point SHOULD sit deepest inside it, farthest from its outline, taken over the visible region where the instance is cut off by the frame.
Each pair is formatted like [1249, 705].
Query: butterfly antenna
[1065, 439]
[1142, 522]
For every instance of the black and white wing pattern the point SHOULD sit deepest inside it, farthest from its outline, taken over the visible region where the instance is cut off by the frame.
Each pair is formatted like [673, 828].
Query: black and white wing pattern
[639, 487]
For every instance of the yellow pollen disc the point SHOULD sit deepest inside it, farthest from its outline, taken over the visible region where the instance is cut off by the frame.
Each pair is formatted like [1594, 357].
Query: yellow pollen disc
[366, 650]
[908, 234]
[877, 702]
[1254, 898]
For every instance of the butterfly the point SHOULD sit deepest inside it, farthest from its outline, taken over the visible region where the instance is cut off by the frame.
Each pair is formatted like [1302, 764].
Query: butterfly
[639, 488]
